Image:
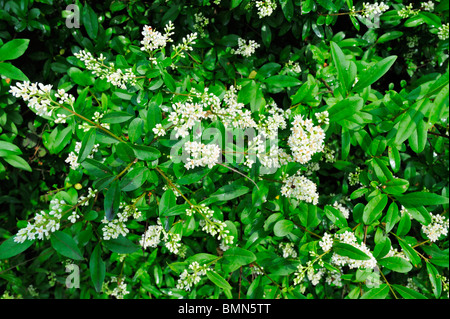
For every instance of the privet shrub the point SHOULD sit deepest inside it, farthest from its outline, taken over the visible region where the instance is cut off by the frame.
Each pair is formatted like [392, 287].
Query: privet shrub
[237, 149]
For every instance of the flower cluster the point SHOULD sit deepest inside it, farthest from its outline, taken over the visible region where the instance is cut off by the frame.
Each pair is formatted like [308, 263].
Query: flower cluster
[305, 140]
[37, 96]
[245, 49]
[438, 227]
[152, 238]
[116, 77]
[326, 243]
[154, 40]
[116, 227]
[427, 6]
[265, 8]
[185, 45]
[201, 154]
[288, 250]
[322, 117]
[300, 188]
[120, 288]
[72, 158]
[159, 130]
[353, 178]
[200, 22]
[190, 278]
[349, 238]
[371, 10]
[184, 116]
[408, 11]
[443, 32]
[44, 223]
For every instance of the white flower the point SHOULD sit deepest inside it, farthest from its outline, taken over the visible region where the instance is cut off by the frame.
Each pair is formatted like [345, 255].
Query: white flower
[437, 228]
[427, 6]
[158, 130]
[191, 276]
[443, 32]
[246, 49]
[288, 250]
[371, 10]
[349, 238]
[201, 154]
[265, 8]
[300, 188]
[154, 40]
[185, 45]
[305, 139]
[407, 11]
[326, 243]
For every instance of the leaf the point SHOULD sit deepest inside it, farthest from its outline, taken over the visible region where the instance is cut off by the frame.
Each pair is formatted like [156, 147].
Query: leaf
[417, 199]
[391, 217]
[97, 268]
[175, 210]
[134, 179]
[90, 22]
[13, 49]
[10, 71]
[121, 245]
[282, 81]
[65, 245]
[408, 293]
[345, 109]
[389, 36]
[374, 73]
[86, 145]
[218, 280]
[336, 216]
[116, 117]
[397, 264]
[350, 251]
[17, 162]
[288, 9]
[226, 193]
[342, 66]
[410, 252]
[125, 152]
[377, 293]
[283, 227]
[146, 153]
[168, 200]
[235, 257]
[436, 282]
[395, 186]
[112, 200]
[374, 209]
[9, 248]
[410, 119]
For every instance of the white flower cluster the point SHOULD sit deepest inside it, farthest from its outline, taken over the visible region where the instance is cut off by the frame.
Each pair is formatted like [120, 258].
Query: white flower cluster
[322, 117]
[120, 289]
[190, 278]
[438, 227]
[344, 210]
[200, 22]
[245, 49]
[353, 178]
[326, 243]
[201, 154]
[211, 225]
[313, 274]
[349, 238]
[185, 45]
[393, 252]
[154, 40]
[305, 140]
[372, 10]
[116, 227]
[116, 77]
[184, 116]
[152, 238]
[443, 31]
[96, 118]
[408, 11]
[159, 130]
[44, 223]
[37, 96]
[274, 157]
[427, 6]
[269, 125]
[300, 188]
[72, 159]
[265, 8]
[288, 250]
[293, 66]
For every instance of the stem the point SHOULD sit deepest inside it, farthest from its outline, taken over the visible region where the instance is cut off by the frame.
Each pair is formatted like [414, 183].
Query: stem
[125, 170]
[236, 171]
[389, 285]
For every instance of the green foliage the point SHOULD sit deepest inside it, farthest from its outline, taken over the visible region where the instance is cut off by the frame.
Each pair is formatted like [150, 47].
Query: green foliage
[97, 179]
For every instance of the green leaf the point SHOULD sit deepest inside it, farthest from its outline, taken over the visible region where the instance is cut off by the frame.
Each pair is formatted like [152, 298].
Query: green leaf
[218, 280]
[9, 248]
[283, 227]
[288, 9]
[410, 119]
[236, 257]
[168, 200]
[374, 73]
[90, 22]
[436, 282]
[336, 216]
[397, 264]
[175, 210]
[86, 145]
[389, 36]
[408, 293]
[97, 268]
[394, 158]
[17, 162]
[282, 81]
[65, 245]
[112, 200]
[116, 117]
[417, 199]
[121, 245]
[134, 179]
[395, 186]
[10, 71]
[13, 49]
[125, 152]
[226, 193]
[391, 217]
[345, 109]
[350, 251]
[374, 209]
[410, 252]
[146, 153]
[377, 293]
[342, 67]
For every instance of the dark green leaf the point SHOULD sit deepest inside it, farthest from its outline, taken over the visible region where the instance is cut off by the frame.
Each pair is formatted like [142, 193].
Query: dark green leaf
[65, 245]
[97, 268]
[9, 248]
